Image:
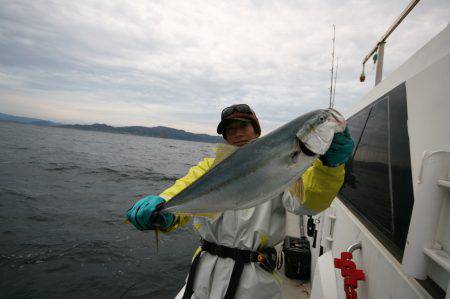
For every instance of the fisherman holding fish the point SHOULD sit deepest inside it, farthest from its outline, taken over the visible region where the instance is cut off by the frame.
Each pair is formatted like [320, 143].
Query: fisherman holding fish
[298, 168]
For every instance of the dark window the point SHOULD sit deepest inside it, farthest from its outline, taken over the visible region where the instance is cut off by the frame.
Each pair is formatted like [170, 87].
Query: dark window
[357, 123]
[378, 184]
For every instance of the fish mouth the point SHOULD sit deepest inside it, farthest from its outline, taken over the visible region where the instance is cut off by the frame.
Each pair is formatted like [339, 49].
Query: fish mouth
[316, 136]
[338, 118]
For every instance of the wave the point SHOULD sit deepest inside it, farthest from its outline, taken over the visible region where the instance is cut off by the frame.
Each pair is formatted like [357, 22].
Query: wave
[108, 170]
[103, 170]
[96, 252]
[40, 218]
[162, 178]
[123, 175]
[61, 166]
[6, 191]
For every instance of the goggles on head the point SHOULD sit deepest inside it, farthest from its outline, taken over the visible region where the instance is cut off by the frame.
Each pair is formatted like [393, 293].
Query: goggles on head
[241, 108]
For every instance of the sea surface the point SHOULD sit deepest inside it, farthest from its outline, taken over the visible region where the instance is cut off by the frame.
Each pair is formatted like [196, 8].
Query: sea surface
[64, 194]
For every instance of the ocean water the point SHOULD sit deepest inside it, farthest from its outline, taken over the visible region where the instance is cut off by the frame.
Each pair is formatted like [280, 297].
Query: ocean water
[63, 197]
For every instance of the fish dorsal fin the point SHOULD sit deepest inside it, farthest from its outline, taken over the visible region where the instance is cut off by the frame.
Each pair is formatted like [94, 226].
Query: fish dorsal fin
[223, 151]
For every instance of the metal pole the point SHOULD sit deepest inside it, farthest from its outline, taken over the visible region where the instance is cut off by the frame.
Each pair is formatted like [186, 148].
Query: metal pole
[354, 247]
[335, 79]
[379, 73]
[332, 65]
[380, 45]
[302, 226]
[397, 22]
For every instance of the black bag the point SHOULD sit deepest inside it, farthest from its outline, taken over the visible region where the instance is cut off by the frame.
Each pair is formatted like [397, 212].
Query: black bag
[297, 258]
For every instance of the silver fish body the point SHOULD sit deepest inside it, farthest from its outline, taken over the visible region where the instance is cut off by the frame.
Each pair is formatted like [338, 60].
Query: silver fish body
[262, 169]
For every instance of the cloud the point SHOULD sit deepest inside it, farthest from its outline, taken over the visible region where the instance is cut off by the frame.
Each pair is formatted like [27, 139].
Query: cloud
[178, 63]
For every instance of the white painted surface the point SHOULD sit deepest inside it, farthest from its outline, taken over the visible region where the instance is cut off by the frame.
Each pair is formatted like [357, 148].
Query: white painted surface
[385, 278]
[324, 285]
[428, 202]
[427, 77]
[428, 95]
[315, 252]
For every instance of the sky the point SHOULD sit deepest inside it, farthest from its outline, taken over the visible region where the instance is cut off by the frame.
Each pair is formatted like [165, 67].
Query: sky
[179, 63]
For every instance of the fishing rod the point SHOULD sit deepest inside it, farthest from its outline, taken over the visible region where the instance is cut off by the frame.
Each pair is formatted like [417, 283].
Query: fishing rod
[335, 80]
[332, 66]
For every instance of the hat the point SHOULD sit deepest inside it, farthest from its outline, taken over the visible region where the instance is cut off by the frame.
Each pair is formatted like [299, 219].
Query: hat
[239, 114]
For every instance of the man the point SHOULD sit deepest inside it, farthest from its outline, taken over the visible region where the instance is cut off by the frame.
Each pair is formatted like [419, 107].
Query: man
[234, 260]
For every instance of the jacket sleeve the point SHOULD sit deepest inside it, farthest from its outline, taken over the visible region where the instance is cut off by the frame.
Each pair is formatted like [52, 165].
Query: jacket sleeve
[316, 189]
[194, 174]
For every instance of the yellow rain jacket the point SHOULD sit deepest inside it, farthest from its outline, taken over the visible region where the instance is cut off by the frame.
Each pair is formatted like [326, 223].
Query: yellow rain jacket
[253, 229]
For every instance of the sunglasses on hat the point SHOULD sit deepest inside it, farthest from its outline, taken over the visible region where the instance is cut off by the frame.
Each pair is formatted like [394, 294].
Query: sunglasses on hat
[241, 108]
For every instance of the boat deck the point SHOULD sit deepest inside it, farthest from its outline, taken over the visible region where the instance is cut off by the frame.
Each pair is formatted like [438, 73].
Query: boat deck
[293, 288]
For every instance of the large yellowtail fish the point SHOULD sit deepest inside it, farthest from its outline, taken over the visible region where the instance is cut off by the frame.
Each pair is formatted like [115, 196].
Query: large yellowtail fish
[244, 177]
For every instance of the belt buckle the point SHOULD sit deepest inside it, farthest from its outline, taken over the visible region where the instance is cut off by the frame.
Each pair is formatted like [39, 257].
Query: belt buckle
[266, 261]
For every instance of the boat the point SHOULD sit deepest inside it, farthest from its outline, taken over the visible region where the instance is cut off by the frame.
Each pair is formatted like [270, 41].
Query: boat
[393, 212]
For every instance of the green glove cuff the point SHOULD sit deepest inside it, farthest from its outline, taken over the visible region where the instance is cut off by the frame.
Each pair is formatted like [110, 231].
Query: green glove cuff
[340, 150]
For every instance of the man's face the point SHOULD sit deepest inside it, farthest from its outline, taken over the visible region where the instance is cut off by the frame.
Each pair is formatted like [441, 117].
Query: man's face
[239, 133]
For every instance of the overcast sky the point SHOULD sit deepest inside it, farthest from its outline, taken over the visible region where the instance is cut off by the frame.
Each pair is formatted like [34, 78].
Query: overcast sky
[178, 63]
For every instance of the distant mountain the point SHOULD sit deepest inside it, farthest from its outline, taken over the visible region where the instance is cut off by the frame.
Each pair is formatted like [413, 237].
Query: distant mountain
[161, 132]
[26, 120]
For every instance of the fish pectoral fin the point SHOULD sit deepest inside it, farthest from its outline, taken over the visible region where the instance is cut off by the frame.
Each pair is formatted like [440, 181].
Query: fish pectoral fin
[212, 216]
[223, 151]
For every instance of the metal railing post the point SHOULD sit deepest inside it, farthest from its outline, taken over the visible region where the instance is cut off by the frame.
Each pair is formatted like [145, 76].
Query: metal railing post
[380, 53]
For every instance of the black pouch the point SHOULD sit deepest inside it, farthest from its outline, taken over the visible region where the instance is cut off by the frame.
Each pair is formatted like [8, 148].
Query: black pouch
[297, 258]
[267, 259]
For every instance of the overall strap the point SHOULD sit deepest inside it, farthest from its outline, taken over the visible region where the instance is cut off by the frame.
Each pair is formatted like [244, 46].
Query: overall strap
[240, 257]
[234, 279]
[189, 289]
